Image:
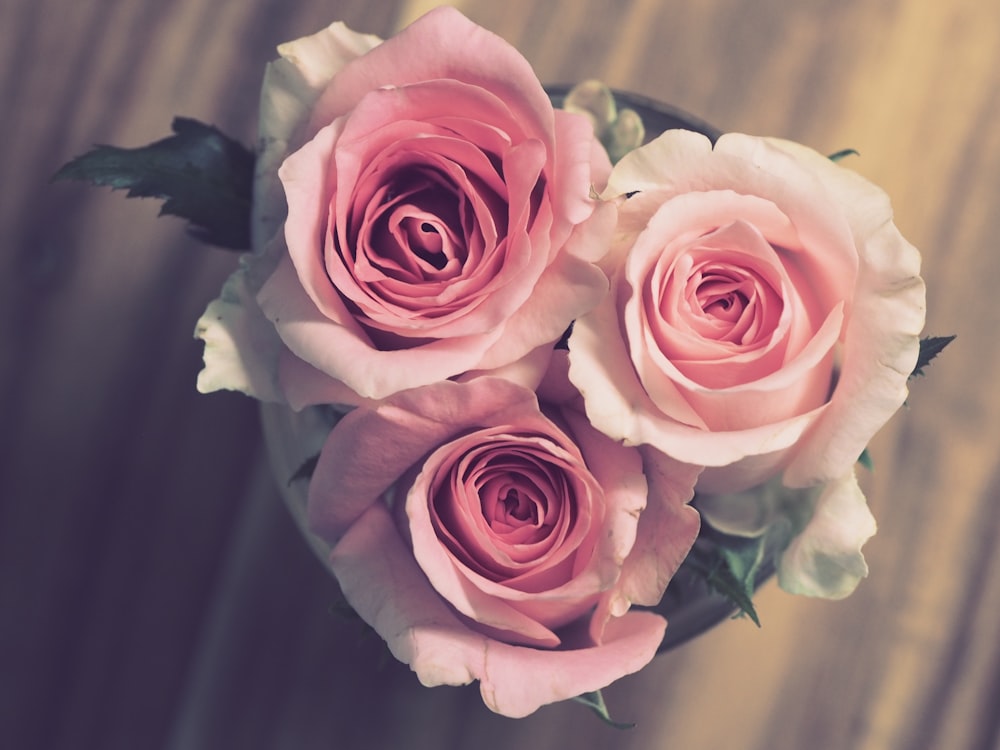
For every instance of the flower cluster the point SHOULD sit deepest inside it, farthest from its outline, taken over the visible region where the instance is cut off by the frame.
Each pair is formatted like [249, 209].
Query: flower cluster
[543, 357]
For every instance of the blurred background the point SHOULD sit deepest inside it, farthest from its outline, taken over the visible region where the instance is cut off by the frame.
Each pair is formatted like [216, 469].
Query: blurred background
[153, 590]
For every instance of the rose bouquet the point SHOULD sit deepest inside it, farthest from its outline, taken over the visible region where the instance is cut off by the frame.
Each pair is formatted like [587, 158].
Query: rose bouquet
[528, 401]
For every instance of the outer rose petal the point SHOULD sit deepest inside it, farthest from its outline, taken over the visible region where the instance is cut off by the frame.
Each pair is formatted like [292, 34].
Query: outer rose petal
[241, 346]
[568, 288]
[383, 584]
[347, 351]
[825, 558]
[371, 448]
[303, 385]
[292, 84]
[877, 359]
[667, 529]
[443, 44]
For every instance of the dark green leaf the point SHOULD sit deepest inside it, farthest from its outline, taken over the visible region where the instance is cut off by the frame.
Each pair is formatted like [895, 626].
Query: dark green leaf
[201, 175]
[595, 702]
[729, 566]
[930, 347]
[865, 459]
[837, 156]
[305, 471]
[739, 575]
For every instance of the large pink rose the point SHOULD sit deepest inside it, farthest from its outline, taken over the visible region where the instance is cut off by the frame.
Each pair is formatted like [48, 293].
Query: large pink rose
[439, 217]
[486, 540]
[763, 320]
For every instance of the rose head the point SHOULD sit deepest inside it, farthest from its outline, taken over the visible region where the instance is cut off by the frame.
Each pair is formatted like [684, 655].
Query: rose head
[764, 313]
[439, 217]
[485, 540]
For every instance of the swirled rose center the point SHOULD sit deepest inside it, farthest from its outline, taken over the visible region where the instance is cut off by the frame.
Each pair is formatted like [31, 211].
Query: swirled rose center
[722, 297]
[719, 295]
[730, 304]
[514, 508]
[425, 236]
[416, 230]
[509, 507]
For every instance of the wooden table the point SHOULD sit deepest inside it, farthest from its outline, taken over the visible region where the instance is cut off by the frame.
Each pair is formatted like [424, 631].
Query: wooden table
[153, 591]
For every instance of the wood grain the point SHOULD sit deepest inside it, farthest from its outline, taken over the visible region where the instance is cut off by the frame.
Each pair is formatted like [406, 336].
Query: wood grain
[153, 591]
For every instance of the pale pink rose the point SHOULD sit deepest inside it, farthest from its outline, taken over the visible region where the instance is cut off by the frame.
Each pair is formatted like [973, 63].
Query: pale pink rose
[486, 540]
[763, 318]
[438, 211]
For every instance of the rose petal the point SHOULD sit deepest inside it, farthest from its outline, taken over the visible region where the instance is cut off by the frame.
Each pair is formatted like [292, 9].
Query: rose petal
[619, 407]
[660, 165]
[292, 84]
[371, 448]
[568, 288]
[348, 354]
[881, 345]
[667, 528]
[241, 346]
[382, 583]
[528, 371]
[581, 163]
[825, 559]
[442, 44]
[525, 616]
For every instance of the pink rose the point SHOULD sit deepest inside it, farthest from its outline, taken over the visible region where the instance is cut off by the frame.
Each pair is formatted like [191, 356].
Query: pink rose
[486, 540]
[763, 318]
[438, 213]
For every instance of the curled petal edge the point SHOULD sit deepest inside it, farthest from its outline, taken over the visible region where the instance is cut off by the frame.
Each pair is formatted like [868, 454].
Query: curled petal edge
[383, 584]
[241, 346]
[825, 559]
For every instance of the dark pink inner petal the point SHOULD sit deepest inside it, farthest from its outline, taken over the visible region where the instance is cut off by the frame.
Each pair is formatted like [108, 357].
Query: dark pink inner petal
[723, 298]
[513, 512]
[424, 238]
[415, 231]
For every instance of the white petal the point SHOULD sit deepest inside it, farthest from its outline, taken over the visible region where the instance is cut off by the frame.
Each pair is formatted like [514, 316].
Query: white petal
[825, 559]
[292, 84]
[241, 345]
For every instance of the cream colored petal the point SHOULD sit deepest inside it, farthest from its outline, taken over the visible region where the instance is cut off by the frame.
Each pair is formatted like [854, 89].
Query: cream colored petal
[241, 345]
[825, 559]
[292, 84]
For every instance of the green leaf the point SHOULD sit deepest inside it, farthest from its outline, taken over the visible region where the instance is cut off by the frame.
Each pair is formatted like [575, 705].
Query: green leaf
[838, 155]
[201, 175]
[930, 347]
[729, 566]
[865, 459]
[595, 702]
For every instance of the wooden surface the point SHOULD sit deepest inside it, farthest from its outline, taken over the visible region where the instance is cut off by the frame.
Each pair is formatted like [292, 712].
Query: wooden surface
[153, 592]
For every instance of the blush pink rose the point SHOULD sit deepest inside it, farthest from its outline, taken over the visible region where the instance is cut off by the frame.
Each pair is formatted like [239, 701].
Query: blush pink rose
[763, 320]
[439, 218]
[764, 314]
[485, 539]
